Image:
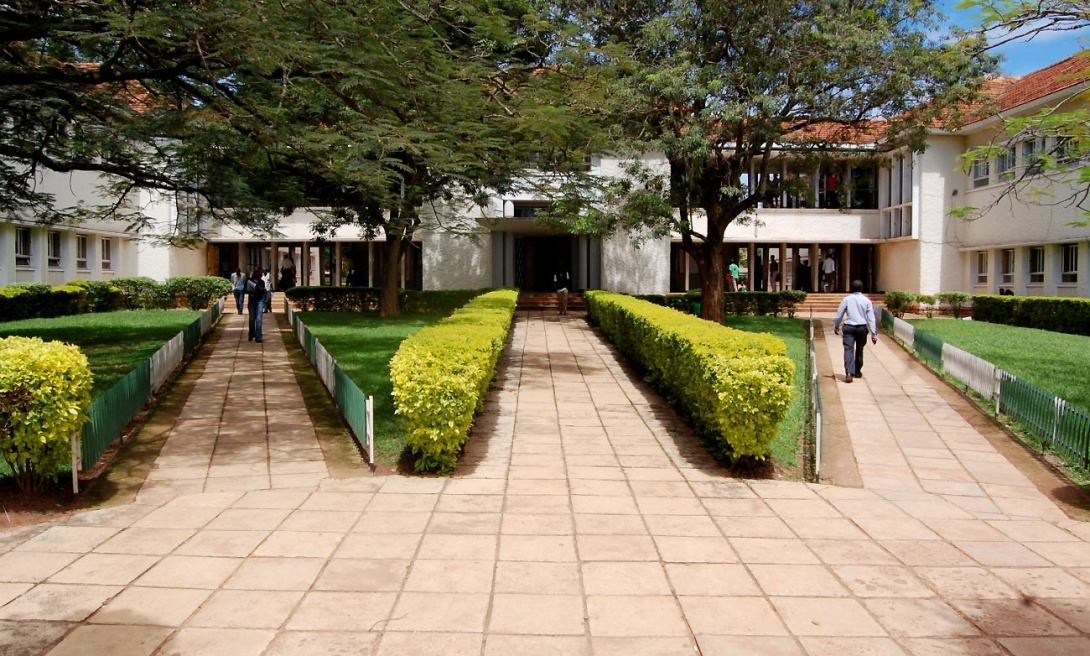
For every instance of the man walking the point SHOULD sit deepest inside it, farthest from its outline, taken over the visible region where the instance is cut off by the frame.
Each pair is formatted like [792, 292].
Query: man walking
[562, 281]
[857, 313]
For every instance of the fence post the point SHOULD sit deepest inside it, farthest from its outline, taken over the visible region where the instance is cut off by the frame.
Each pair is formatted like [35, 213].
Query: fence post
[999, 373]
[74, 442]
[371, 432]
[1057, 411]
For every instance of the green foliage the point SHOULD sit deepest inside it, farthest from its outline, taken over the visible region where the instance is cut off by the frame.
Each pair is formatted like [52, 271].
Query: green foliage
[1062, 315]
[440, 376]
[102, 295]
[736, 303]
[143, 293]
[735, 386]
[436, 301]
[956, 301]
[29, 301]
[334, 299]
[196, 292]
[45, 391]
[679, 302]
[927, 303]
[898, 302]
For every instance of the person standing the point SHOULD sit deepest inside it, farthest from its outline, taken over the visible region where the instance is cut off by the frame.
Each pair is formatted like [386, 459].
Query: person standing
[562, 282]
[828, 267]
[734, 276]
[238, 288]
[255, 290]
[773, 274]
[857, 314]
[266, 277]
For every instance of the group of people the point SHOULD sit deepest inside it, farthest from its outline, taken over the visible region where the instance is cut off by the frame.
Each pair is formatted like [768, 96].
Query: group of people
[827, 267]
[256, 290]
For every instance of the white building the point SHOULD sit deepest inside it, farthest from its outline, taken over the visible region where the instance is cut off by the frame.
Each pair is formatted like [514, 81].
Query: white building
[896, 231]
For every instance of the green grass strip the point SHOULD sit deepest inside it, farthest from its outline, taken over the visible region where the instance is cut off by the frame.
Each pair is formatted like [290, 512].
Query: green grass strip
[115, 343]
[1056, 362]
[363, 345]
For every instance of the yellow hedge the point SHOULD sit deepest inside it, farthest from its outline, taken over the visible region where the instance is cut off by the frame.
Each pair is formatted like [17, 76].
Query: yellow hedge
[735, 386]
[440, 376]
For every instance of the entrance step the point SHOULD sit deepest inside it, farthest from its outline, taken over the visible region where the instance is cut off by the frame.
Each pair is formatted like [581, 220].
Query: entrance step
[830, 302]
[548, 301]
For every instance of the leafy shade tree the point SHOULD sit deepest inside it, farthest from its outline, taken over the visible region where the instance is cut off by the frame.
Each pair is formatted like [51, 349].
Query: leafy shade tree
[1063, 130]
[720, 89]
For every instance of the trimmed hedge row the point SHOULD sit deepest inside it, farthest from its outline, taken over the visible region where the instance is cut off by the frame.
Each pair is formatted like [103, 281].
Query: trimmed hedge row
[440, 376]
[368, 299]
[41, 300]
[1062, 315]
[734, 386]
[736, 303]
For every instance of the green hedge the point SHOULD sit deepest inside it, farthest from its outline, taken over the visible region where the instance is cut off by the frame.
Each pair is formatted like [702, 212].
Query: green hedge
[1058, 314]
[736, 303]
[40, 300]
[102, 296]
[46, 391]
[440, 376]
[734, 386]
[367, 299]
[196, 292]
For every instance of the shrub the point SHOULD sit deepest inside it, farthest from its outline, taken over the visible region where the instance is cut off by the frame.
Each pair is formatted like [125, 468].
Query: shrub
[45, 391]
[334, 299]
[734, 386]
[898, 302]
[927, 303]
[435, 301]
[956, 301]
[102, 296]
[143, 293]
[1062, 315]
[13, 305]
[34, 300]
[440, 376]
[196, 292]
[679, 302]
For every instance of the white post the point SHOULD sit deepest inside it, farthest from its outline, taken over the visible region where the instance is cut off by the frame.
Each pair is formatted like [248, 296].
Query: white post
[371, 432]
[75, 443]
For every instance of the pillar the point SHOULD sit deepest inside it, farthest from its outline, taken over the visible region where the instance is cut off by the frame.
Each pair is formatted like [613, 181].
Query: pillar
[370, 264]
[783, 266]
[336, 264]
[751, 262]
[846, 268]
[304, 264]
[815, 267]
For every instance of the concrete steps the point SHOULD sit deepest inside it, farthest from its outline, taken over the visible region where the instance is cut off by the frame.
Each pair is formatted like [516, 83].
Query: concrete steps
[543, 301]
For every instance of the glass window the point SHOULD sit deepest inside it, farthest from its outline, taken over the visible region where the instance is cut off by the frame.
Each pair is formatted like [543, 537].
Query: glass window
[1008, 266]
[1037, 264]
[53, 248]
[1032, 150]
[81, 251]
[982, 171]
[1070, 272]
[1005, 163]
[864, 187]
[830, 180]
[982, 267]
[107, 253]
[22, 247]
[527, 211]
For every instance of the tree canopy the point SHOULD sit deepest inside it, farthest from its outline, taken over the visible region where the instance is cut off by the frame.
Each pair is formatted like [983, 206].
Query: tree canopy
[719, 89]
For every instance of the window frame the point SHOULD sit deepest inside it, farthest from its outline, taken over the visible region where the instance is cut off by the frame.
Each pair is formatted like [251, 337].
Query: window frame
[81, 252]
[53, 249]
[24, 248]
[106, 251]
[1037, 265]
[982, 267]
[1005, 163]
[982, 173]
[1006, 269]
[1069, 263]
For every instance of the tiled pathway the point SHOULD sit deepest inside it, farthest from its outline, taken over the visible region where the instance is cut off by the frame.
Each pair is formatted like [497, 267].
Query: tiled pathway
[584, 519]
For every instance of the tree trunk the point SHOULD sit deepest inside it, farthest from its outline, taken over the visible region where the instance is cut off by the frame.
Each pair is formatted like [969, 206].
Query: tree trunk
[389, 305]
[712, 280]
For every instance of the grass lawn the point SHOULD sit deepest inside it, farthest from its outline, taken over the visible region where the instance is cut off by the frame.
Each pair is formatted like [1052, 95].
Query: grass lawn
[363, 345]
[1055, 362]
[114, 342]
[793, 332]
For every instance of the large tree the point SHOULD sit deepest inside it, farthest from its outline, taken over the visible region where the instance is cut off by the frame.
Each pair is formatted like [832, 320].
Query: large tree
[720, 88]
[1059, 174]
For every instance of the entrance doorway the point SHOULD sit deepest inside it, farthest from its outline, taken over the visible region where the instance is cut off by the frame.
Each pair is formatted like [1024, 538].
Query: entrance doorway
[538, 259]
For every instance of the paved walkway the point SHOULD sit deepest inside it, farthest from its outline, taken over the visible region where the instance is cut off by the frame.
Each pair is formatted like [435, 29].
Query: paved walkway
[585, 519]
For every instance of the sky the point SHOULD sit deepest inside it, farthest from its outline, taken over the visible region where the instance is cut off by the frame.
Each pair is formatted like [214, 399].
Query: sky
[1021, 57]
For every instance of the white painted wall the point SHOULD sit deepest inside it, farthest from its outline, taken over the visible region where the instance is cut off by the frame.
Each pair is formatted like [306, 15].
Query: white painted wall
[454, 261]
[636, 269]
[941, 267]
[899, 267]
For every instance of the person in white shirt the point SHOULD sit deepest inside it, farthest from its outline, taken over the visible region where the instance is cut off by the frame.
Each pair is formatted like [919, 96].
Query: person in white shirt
[857, 314]
[828, 267]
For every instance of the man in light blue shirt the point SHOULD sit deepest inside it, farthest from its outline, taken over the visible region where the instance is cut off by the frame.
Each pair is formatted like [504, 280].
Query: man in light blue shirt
[857, 314]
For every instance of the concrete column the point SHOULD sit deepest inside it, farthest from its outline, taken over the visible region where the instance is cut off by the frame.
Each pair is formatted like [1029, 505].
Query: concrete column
[68, 255]
[370, 264]
[751, 261]
[815, 267]
[337, 264]
[783, 266]
[1054, 261]
[845, 269]
[1084, 269]
[7, 254]
[94, 255]
[274, 263]
[304, 264]
[38, 254]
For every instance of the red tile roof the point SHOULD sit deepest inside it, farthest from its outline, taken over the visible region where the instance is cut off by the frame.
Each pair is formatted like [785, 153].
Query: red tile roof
[1008, 93]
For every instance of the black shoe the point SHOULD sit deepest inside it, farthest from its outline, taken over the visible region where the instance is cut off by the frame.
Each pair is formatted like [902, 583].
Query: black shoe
[250, 339]
[858, 375]
[847, 379]
[258, 341]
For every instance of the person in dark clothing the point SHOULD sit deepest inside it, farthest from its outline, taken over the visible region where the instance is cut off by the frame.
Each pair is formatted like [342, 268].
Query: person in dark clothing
[255, 291]
[562, 282]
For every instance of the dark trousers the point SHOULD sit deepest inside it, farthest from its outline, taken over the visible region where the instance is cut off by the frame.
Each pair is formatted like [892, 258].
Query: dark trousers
[239, 296]
[255, 307]
[855, 338]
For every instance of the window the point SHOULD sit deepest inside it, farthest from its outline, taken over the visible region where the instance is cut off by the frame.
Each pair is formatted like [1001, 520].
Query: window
[527, 211]
[982, 172]
[982, 267]
[1032, 151]
[864, 187]
[1005, 163]
[22, 247]
[107, 254]
[53, 249]
[187, 223]
[1008, 266]
[1037, 264]
[1064, 150]
[1070, 272]
[81, 251]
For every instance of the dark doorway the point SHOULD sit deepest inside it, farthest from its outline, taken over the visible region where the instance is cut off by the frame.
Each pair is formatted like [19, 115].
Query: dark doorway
[863, 266]
[538, 259]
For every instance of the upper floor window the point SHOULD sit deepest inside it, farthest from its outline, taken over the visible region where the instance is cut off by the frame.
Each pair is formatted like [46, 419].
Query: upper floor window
[1070, 271]
[528, 210]
[982, 171]
[53, 249]
[22, 247]
[107, 254]
[1037, 264]
[1007, 269]
[1032, 149]
[982, 267]
[864, 187]
[1005, 163]
[81, 251]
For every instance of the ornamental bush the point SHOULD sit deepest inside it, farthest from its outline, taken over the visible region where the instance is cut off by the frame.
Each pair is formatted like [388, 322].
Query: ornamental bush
[45, 391]
[440, 376]
[898, 302]
[1058, 314]
[102, 296]
[143, 293]
[956, 301]
[334, 299]
[734, 386]
[34, 300]
[196, 292]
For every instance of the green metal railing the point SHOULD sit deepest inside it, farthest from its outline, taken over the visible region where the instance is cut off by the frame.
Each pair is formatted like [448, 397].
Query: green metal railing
[887, 320]
[929, 347]
[111, 412]
[1073, 434]
[353, 404]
